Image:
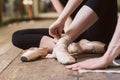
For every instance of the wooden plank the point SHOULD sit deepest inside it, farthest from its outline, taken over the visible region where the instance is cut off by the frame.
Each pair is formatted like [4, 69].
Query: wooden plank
[38, 70]
[7, 51]
[99, 76]
[7, 31]
[8, 57]
[11, 68]
[4, 48]
[44, 69]
[94, 75]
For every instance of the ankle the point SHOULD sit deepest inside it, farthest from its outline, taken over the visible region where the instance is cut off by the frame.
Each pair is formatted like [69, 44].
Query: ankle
[66, 40]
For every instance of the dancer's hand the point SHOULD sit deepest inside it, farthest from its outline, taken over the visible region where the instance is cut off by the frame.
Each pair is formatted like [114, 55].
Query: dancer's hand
[93, 63]
[55, 30]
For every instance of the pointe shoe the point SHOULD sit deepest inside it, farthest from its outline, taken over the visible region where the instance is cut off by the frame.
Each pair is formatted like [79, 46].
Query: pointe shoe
[87, 46]
[75, 48]
[63, 55]
[33, 53]
[61, 52]
[92, 46]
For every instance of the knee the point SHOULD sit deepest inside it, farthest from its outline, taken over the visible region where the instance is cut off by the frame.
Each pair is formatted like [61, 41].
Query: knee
[16, 39]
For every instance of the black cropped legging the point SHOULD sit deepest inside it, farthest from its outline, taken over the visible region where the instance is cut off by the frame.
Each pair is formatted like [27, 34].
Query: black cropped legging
[102, 30]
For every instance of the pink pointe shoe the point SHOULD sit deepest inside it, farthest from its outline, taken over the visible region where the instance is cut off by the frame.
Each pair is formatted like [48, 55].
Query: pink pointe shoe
[33, 53]
[87, 46]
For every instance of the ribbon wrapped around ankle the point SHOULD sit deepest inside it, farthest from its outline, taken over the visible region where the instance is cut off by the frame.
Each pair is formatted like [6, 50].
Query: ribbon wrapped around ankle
[61, 52]
[66, 40]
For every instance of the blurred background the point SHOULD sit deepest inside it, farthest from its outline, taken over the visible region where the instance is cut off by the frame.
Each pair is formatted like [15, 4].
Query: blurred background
[11, 10]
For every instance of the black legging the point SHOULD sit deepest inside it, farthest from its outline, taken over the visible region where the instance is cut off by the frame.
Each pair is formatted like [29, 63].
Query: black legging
[27, 38]
[102, 30]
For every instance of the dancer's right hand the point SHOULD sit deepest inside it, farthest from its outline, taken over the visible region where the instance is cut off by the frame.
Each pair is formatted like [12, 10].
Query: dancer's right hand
[55, 30]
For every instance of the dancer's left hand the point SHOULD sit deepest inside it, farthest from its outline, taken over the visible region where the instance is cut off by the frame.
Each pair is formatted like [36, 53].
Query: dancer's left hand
[93, 63]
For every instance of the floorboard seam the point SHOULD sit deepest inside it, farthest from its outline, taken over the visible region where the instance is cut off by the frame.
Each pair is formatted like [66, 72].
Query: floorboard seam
[9, 63]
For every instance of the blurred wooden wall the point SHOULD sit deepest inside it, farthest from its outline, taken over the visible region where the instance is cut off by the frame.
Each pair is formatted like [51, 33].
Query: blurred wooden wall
[118, 5]
[0, 11]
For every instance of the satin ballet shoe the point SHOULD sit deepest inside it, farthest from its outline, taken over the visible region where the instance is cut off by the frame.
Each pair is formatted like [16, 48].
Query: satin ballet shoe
[61, 52]
[33, 53]
[98, 47]
[75, 48]
[87, 46]
[92, 46]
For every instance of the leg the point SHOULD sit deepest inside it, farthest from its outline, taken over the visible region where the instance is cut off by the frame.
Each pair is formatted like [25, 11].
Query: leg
[100, 30]
[60, 51]
[114, 47]
[28, 38]
[59, 6]
[73, 32]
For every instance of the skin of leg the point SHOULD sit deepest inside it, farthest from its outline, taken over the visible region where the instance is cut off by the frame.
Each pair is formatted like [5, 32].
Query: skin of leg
[46, 45]
[90, 18]
[61, 52]
[78, 25]
[102, 62]
[55, 30]
[114, 47]
[50, 41]
[59, 8]
[83, 20]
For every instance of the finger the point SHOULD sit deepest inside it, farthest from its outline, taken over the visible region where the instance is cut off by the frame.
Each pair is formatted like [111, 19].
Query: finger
[56, 34]
[71, 66]
[55, 40]
[52, 32]
[59, 32]
[76, 68]
[81, 67]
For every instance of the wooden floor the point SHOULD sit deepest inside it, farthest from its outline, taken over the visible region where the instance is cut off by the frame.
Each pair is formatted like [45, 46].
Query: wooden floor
[12, 68]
